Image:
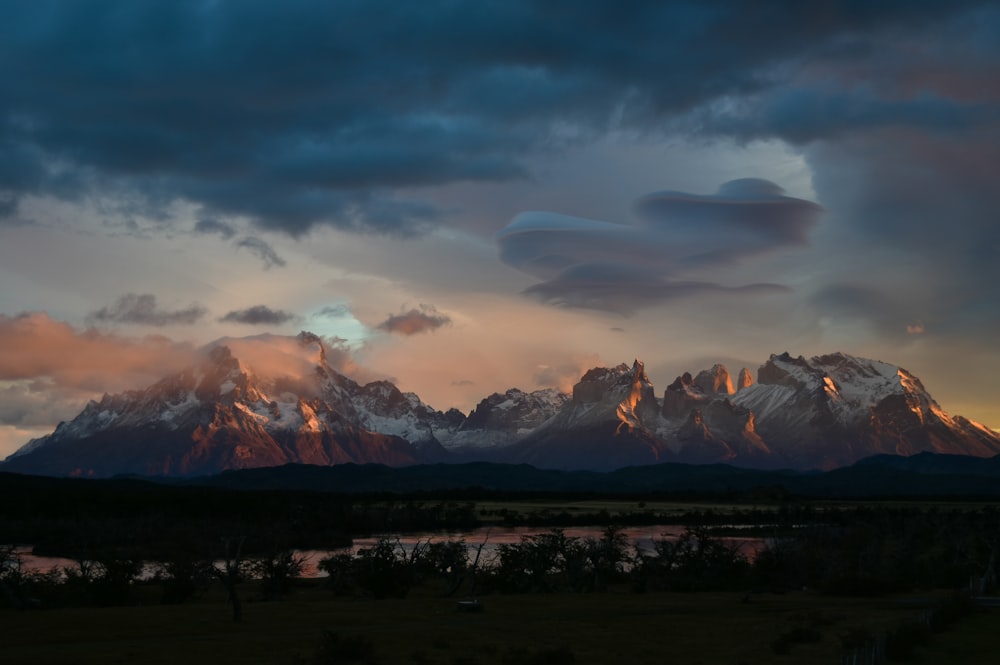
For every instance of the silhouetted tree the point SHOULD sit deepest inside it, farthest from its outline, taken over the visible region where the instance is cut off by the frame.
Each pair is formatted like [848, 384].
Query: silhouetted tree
[276, 570]
[230, 572]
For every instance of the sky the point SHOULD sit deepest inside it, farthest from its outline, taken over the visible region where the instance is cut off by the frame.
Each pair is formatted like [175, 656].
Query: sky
[468, 197]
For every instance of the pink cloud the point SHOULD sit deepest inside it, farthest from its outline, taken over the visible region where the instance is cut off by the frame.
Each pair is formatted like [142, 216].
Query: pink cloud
[33, 346]
[425, 319]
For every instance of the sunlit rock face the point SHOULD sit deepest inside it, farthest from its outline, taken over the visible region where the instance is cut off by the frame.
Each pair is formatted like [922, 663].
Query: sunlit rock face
[821, 413]
[745, 380]
[832, 410]
[620, 393]
[609, 423]
[255, 408]
[715, 381]
[222, 415]
[681, 397]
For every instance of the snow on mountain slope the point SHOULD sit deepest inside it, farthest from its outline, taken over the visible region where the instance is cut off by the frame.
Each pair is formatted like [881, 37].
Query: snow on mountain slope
[621, 394]
[503, 418]
[221, 415]
[832, 410]
[225, 413]
[848, 386]
[824, 412]
[603, 426]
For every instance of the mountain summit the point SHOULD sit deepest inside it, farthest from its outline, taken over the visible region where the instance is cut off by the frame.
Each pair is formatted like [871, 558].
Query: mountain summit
[221, 415]
[831, 410]
[234, 410]
[823, 412]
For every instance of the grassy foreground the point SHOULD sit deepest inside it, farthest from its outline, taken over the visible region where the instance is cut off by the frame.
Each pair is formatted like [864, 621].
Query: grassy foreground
[539, 628]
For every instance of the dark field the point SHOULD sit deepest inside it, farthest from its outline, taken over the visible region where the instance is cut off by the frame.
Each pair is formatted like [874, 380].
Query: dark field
[613, 627]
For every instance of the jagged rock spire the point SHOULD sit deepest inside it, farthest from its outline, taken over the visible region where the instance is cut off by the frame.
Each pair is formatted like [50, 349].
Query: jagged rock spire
[715, 381]
[639, 371]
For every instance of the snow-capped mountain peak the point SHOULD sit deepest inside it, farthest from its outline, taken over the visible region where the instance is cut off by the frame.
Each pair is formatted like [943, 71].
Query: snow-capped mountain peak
[273, 400]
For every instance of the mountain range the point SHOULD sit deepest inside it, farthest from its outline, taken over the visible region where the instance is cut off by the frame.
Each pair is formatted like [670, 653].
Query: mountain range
[824, 412]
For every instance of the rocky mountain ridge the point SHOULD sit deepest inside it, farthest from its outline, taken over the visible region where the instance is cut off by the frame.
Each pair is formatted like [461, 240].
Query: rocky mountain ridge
[823, 412]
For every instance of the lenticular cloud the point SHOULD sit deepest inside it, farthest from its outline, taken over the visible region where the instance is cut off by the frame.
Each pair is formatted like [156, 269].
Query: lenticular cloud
[624, 267]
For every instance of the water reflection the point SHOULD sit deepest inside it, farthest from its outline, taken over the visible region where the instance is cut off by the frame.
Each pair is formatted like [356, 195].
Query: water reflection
[492, 537]
[487, 537]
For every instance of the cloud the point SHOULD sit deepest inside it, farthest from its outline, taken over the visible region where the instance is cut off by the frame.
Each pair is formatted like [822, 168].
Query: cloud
[295, 357]
[623, 290]
[334, 312]
[141, 309]
[39, 403]
[34, 346]
[565, 375]
[916, 214]
[848, 303]
[214, 226]
[8, 205]
[49, 370]
[319, 113]
[262, 251]
[622, 268]
[745, 217]
[801, 116]
[253, 244]
[426, 318]
[259, 315]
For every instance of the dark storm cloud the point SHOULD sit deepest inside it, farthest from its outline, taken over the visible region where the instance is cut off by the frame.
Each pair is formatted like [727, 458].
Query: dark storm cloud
[622, 268]
[309, 112]
[853, 303]
[262, 251]
[259, 315]
[142, 309]
[801, 116]
[745, 217]
[923, 211]
[8, 205]
[426, 318]
[592, 287]
[900, 127]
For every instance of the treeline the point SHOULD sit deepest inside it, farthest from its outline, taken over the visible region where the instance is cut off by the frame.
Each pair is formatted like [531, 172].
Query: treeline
[69, 517]
[866, 552]
[879, 552]
[64, 517]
